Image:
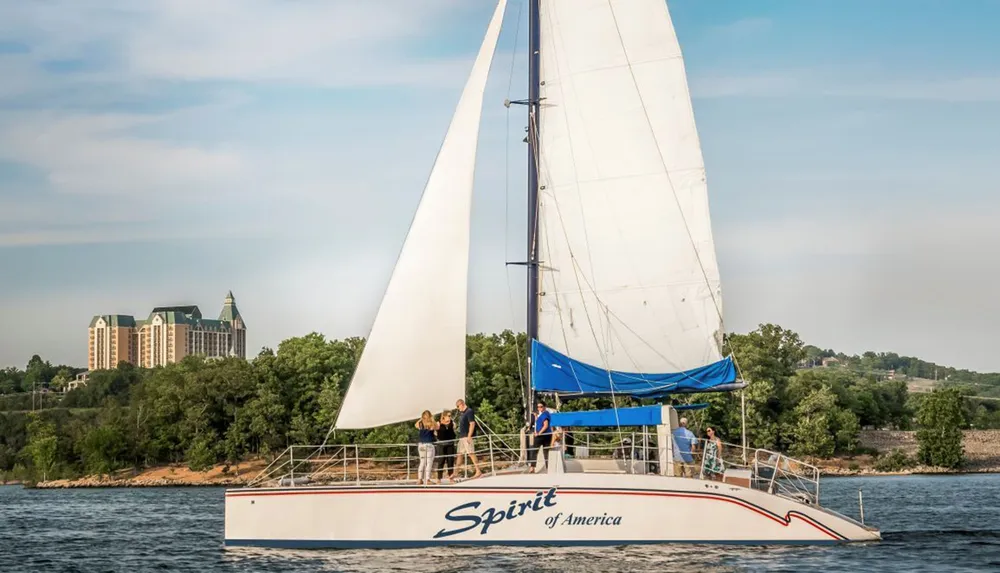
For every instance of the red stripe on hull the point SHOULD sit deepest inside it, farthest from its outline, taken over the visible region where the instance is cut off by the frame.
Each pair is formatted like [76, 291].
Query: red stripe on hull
[786, 521]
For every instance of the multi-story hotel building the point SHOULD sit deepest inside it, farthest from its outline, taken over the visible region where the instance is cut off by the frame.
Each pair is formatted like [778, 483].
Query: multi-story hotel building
[168, 335]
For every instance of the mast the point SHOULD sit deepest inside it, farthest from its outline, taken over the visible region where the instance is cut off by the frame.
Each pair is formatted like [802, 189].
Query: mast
[534, 41]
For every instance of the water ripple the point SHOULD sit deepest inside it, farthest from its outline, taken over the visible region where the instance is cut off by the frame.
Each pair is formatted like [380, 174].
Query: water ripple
[929, 523]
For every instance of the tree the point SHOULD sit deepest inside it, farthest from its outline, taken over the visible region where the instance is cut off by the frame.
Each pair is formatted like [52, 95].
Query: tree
[939, 435]
[495, 370]
[10, 380]
[42, 445]
[60, 380]
[201, 455]
[768, 358]
[814, 419]
[104, 449]
[200, 412]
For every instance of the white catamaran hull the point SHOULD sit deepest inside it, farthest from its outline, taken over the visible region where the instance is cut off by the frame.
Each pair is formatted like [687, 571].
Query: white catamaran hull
[539, 509]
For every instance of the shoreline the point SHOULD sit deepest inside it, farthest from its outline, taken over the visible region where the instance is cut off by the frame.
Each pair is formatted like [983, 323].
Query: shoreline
[175, 475]
[180, 476]
[917, 471]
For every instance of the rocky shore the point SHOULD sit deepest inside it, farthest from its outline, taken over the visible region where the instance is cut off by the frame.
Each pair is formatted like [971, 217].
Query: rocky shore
[166, 476]
[982, 453]
[851, 467]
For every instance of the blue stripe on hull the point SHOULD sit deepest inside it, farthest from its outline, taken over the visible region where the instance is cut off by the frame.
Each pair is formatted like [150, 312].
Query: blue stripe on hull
[710, 495]
[786, 520]
[374, 544]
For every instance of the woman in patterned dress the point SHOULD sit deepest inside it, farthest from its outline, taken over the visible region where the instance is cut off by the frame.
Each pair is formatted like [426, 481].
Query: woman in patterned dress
[712, 465]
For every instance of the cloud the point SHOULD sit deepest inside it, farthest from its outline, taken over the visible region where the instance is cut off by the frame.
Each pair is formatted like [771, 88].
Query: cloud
[95, 154]
[861, 83]
[286, 144]
[103, 234]
[307, 41]
[316, 42]
[174, 112]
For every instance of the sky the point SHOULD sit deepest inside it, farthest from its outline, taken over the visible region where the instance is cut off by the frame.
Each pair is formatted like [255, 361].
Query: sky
[167, 151]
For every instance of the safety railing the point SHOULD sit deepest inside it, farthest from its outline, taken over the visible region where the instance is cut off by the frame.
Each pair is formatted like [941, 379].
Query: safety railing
[374, 464]
[781, 475]
[583, 451]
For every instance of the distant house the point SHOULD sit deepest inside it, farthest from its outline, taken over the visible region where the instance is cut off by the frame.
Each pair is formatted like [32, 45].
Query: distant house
[80, 380]
[891, 375]
[831, 361]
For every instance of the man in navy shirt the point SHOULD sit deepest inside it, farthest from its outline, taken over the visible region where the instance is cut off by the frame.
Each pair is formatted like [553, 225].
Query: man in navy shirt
[684, 445]
[542, 435]
[466, 431]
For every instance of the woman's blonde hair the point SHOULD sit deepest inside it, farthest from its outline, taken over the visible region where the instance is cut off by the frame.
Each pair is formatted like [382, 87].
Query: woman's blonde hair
[427, 419]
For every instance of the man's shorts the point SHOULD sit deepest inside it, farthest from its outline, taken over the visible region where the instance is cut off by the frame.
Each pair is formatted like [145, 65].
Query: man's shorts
[465, 446]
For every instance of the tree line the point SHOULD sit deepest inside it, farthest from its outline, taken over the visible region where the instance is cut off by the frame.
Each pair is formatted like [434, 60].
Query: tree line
[203, 412]
[881, 363]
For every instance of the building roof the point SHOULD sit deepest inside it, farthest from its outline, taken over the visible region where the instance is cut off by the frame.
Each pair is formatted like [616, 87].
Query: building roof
[229, 311]
[180, 314]
[213, 325]
[190, 310]
[175, 317]
[114, 320]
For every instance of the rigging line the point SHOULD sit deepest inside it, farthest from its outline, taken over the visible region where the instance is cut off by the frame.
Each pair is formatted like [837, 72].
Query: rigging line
[586, 237]
[673, 190]
[614, 399]
[576, 181]
[680, 369]
[590, 323]
[562, 323]
[579, 277]
[533, 133]
[576, 273]
[510, 292]
[538, 165]
[663, 162]
[513, 57]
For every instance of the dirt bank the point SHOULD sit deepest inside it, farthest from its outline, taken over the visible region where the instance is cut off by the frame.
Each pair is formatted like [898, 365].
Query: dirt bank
[167, 476]
[982, 454]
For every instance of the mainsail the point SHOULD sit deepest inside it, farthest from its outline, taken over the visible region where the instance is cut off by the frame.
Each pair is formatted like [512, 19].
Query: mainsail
[415, 355]
[629, 283]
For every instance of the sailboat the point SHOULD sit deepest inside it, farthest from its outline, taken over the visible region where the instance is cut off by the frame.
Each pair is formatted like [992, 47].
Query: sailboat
[624, 299]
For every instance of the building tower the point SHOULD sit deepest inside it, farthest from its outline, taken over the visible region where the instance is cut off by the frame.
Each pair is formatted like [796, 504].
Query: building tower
[231, 314]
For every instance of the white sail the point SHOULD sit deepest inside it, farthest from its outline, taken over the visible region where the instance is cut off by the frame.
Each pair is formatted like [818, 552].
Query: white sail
[629, 279]
[414, 359]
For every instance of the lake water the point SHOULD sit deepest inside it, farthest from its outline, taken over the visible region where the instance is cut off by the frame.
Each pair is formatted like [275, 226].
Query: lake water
[946, 523]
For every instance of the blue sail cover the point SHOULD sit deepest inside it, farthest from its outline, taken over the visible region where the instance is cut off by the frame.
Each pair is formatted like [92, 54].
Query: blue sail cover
[552, 371]
[639, 416]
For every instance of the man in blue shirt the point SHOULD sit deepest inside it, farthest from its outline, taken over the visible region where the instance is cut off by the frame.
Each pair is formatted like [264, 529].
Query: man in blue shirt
[466, 432]
[542, 435]
[684, 445]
